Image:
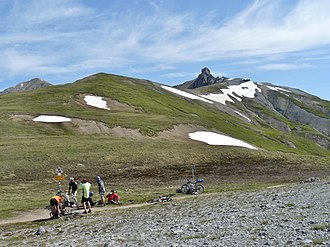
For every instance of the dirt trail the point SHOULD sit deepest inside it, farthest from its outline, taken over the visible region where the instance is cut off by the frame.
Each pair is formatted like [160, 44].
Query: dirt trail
[292, 215]
[43, 214]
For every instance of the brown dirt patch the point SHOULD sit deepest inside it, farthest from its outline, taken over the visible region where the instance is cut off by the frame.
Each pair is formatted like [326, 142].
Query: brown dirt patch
[91, 127]
[21, 117]
[127, 133]
[88, 127]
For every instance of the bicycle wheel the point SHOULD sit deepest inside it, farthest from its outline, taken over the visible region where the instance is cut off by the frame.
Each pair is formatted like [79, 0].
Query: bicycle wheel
[185, 188]
[66, 201]
[200, 188]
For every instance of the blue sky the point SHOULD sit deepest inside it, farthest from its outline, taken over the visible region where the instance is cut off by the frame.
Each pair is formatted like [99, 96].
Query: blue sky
[283, 42]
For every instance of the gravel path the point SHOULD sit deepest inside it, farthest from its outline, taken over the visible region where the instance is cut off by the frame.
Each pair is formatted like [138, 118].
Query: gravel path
[292, 215]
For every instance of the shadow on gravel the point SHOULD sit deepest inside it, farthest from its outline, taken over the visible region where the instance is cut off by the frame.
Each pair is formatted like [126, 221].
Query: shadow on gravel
[43, 220]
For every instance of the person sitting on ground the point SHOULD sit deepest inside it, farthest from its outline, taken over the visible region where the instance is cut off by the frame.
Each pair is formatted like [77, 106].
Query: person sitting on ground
[56, 201]
[90, 199]
[100, 183]
[85, 186]
[113, 198]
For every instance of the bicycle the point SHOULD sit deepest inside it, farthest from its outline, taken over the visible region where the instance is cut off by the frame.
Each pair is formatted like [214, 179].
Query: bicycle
[65, 199]
[162, 198]
[190, 187]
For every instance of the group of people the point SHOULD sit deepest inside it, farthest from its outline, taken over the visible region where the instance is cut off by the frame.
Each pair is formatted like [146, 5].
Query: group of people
[87, 195]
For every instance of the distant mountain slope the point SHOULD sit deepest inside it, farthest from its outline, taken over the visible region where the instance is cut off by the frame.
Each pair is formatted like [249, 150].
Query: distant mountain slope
[141, 109]
[266, 104]
[27, 86]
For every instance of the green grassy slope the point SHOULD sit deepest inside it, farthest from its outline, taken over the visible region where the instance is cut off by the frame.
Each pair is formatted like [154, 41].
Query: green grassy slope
[157, 110]
[31, 151]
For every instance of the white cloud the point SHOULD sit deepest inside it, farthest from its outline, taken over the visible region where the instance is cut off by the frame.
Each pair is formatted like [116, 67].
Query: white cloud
[284, 66]
[23, 62]
[260, 30]
[70, 36]
[17, 62]
[34, 12]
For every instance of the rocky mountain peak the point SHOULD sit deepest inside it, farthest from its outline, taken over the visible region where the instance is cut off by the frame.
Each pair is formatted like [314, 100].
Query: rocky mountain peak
[27, 86]
[205, 78]
[206, 71]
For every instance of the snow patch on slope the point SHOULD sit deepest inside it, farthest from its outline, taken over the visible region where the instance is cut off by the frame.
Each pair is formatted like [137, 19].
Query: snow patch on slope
[246, 89]
[51, 119]
[238, 113]
[278, 89]
[212, 138]
[185, 94]
[96, 101]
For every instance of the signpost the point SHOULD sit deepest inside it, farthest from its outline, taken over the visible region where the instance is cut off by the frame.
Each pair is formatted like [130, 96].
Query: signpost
[59, 177]
[59, 171]
[193, 172]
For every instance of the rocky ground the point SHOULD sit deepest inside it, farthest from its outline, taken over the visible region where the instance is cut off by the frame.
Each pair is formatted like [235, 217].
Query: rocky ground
[290, 215]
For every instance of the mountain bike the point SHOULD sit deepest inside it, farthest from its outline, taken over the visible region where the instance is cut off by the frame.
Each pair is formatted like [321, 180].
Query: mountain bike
[65, 199]
[162, 198]
[190, 187]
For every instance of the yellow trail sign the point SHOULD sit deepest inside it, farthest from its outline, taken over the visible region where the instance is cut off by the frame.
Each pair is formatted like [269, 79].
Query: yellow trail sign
[59, 177]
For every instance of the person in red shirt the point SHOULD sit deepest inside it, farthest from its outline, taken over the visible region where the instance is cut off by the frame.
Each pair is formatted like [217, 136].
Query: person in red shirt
[113, 198]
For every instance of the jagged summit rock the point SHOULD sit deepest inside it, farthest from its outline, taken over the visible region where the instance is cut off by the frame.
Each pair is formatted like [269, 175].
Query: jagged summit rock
[206, 71]
[205, 78]
[27, 86]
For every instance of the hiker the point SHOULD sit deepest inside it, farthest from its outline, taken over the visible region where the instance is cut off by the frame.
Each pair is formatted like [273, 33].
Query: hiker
[85, 186]
[56, 201]
[73, 187]
[113, 198]
[90, 199]
[100, 183]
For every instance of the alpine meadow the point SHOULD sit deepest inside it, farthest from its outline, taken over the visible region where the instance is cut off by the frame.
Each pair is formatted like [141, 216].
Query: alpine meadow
[141, 144]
